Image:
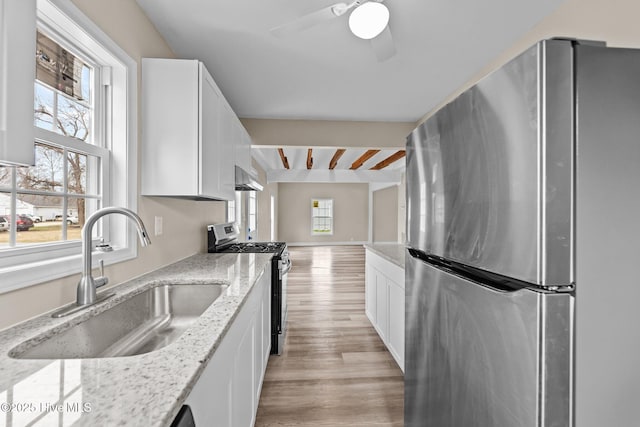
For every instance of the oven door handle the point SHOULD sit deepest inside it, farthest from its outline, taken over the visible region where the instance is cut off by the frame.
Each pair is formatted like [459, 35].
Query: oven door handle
[284, 269]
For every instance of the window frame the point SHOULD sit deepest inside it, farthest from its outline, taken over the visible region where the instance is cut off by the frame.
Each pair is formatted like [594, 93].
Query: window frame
[118, 73]
[313, 216]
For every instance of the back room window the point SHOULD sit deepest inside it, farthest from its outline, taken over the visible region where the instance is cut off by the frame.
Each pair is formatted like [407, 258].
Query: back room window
[321, 217]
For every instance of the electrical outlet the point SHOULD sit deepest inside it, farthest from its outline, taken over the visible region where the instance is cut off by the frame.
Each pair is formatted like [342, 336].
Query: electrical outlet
[158, 226]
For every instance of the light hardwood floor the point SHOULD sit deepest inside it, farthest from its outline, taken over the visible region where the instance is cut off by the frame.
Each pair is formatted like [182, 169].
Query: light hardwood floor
[335, 370]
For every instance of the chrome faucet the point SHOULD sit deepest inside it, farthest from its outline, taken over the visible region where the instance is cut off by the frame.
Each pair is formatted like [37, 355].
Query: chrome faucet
[86, 293]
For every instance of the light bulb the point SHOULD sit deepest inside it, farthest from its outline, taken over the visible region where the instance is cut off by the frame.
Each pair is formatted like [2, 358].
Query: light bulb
[369, 19]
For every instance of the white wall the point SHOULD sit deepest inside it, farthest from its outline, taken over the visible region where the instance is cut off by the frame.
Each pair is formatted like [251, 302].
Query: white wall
[350, 205]
[385, 215]
[327, 133]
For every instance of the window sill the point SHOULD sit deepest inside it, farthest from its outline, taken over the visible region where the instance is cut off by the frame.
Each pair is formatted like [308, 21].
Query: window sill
[34, 273]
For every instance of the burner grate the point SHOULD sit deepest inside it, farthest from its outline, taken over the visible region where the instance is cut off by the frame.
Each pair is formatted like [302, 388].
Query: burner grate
[255, 247]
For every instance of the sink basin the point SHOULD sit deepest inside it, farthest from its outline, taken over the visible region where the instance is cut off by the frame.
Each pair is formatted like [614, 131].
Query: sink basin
[143, 323]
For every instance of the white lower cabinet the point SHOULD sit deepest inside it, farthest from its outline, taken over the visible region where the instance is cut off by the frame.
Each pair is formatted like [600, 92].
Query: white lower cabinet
[228, 391]
[395, 336]
[384, 302]
[382, 305]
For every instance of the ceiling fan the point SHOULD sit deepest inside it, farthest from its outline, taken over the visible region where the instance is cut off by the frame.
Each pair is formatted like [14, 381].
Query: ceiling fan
[369, 20]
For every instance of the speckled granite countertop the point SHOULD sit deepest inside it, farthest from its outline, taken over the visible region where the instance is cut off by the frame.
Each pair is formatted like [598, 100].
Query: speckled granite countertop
[393, 252]
[144, 390]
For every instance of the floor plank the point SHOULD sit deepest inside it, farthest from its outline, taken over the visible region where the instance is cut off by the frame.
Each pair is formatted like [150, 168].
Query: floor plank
[335, 370]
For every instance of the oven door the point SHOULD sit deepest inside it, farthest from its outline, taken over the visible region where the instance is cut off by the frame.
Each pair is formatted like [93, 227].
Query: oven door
[279, 301]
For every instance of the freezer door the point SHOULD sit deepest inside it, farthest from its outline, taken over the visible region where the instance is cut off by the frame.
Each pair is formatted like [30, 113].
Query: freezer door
[475, 356]
[489, 176]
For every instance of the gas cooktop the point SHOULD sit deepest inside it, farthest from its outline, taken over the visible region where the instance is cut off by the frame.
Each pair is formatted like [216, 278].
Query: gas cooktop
[254, 247]
[224, 238]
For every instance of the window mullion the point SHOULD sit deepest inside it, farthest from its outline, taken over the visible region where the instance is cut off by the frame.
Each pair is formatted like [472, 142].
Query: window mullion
[65, 191]
[54, 121]
[13, 230]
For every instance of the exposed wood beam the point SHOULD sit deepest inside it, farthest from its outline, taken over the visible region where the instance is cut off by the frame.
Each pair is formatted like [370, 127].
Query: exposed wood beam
[285, 162]
[334, 176]
[366, 156]
[336, 157]
[309, 159]
[386, 162]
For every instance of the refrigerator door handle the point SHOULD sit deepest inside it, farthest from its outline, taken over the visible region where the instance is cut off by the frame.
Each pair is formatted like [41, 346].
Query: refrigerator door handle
[493, 281]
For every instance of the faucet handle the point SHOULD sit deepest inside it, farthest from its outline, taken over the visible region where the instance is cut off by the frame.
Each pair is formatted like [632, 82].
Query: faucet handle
[101, 262]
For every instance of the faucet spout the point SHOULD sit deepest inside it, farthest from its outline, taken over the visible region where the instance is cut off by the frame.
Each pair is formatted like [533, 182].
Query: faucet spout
[86, 292]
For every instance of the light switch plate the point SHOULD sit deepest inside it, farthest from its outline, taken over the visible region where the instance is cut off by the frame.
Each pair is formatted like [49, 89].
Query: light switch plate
[158, 225]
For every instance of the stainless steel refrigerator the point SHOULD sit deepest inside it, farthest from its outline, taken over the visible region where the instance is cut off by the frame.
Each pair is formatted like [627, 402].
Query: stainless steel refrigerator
[523, 231]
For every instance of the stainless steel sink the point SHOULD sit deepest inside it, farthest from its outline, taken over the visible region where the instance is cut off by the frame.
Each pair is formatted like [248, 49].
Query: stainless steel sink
[143, 323]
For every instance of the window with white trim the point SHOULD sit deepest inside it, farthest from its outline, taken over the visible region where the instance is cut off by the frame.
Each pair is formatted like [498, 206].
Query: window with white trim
[84, 123]
[321, 217]
[49, 201]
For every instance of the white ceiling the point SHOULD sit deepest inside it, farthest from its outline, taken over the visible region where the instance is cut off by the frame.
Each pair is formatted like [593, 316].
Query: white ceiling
[326, 72]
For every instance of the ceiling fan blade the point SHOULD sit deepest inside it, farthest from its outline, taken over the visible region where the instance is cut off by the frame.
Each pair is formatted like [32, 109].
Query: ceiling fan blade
[383, 45]
[307, 21]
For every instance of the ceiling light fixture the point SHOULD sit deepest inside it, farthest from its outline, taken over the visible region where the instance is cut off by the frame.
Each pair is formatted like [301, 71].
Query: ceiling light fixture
[369, 19]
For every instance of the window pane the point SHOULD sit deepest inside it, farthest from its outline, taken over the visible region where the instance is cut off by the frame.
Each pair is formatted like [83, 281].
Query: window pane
[86, 82]
[48, 172]
[42, 211]
[5, 210]
[43, 107]
[322, 216]
[63, 98]
[76, 214]
[5, 177]
[74, 119]
[60, 69]
[77, 173]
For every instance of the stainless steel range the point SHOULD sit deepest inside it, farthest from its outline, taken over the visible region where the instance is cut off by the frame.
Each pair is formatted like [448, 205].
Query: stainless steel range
[223, 238]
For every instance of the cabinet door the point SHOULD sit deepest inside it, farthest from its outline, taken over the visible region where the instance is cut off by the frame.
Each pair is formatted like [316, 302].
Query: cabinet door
[211, 157]
[266, 321]
[382, 306]
[210, 399]
[262, 335]
[170, 134]
[17, 76]
[243, 379]
[396, 322]
[370, 293]
[243, 150]
[257, 348]
[228, 155]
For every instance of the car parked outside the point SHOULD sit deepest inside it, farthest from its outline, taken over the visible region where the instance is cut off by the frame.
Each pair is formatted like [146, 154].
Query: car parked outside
[34, 218]
[4, 224]
[23, 222]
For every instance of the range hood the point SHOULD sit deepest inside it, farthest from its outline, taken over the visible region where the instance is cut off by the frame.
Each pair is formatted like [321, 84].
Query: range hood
[246, 181]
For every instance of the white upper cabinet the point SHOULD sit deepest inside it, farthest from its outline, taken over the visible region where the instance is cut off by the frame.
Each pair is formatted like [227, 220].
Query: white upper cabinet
[186, 150]
[17, 76]
[243, 149]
